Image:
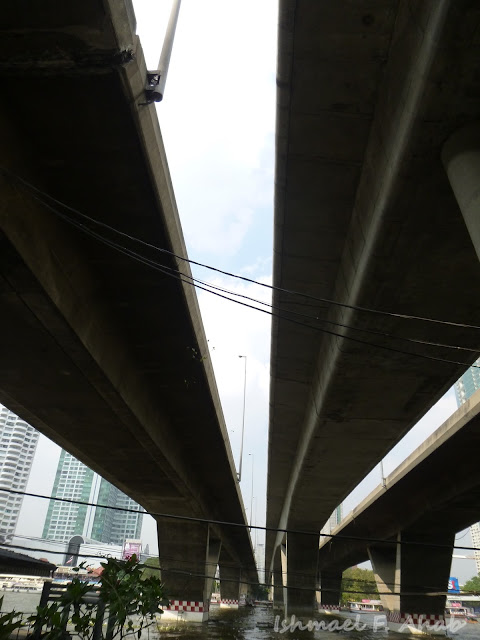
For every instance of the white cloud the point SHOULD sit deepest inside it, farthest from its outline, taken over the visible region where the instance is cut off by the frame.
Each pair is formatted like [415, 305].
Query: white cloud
[218, 114]
[234, 330]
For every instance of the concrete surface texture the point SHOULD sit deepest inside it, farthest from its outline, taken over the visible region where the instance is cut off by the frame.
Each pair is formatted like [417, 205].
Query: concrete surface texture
[368, 94]
[423, 503]
[100, 352]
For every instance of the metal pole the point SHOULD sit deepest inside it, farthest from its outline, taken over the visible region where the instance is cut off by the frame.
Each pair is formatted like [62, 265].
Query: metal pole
[384, 484]
[156, 80]
[239, 475]
[251, 495]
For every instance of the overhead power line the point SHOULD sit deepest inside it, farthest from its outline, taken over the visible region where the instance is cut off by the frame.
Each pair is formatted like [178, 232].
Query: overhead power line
[191, 574]
[148, 245]
[213, 289]
[225, 523]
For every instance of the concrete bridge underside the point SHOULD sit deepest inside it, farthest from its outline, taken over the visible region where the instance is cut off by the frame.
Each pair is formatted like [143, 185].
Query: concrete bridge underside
[431, 496]
[365, 215]
[100, 352]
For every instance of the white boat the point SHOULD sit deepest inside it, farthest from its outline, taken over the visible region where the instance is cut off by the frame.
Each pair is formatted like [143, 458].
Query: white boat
[365, 606]
[464, 613]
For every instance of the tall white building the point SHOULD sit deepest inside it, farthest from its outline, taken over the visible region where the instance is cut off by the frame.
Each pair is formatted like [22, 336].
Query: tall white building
[464, 388]
[18, 441]
[475, 533]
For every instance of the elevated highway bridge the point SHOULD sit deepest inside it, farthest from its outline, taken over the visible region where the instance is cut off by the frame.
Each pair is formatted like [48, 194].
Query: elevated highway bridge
[102, 353]
[416, 511]
[376, 209]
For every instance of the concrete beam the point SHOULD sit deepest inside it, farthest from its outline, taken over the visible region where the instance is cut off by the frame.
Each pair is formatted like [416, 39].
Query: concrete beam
[461, 159]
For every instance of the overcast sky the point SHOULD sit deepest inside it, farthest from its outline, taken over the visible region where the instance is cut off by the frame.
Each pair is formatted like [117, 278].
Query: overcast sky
[217, 120]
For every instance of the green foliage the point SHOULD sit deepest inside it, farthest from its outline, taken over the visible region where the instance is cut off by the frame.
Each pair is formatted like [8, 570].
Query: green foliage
[130, 599]
[259, 592]
[358, 584]
[9, 622]
[151, 568]
[472, 585]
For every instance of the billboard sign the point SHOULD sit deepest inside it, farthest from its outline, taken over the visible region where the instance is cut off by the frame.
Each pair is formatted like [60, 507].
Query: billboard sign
[453, 586]
[130, 548]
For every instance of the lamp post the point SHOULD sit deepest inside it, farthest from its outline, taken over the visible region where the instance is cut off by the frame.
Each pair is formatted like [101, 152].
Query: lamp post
[251, 495]
[156, 79]
[239, 474]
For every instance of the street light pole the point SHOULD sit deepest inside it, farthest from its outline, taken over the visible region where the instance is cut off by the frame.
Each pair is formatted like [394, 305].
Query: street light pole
[251, 495]
[156, 79]
[239, 474]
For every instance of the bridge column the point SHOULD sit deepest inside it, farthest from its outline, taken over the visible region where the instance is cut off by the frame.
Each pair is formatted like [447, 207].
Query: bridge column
[302, 558]
[244, 592]
[386, 567]
[415, 570]
[461, 159]
[330, 590]
[277, 582]
[229, 586]
[189, 556]
[425, 569]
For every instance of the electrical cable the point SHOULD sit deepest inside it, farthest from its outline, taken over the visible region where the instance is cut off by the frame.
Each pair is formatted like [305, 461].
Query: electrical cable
[39, 192]
[167, 271]
[99, 548]
[243, 525]
[203, 575]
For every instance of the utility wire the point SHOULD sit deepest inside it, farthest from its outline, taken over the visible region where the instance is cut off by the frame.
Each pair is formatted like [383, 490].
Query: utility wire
[203, 575]
[105, 549]
[191, 281]
[243, 525]
[41, 193]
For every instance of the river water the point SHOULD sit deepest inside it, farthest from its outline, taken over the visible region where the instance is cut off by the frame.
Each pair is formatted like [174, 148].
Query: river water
[256, 623]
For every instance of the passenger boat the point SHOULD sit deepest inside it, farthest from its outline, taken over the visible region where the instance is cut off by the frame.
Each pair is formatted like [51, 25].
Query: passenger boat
[365, 606]
[458, 611]
[14, 582]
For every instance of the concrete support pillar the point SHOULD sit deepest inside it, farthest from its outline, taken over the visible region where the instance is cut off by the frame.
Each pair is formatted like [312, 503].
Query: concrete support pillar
[189, 556]
[330, 589]
[414, 571]
[461, 159]
[277, 581]
[302, 559]
[229, 586]
[283, 564]
[243, 592]
[425, 569]
[386, 567]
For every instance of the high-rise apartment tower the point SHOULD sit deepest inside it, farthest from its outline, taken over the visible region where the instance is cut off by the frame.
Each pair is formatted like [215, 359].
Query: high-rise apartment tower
[464, 388]
[18, 441]
[64, 520]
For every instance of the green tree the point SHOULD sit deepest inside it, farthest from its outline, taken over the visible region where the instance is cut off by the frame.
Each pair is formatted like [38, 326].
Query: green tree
[472, 585]
[130, 599]
[151, 568]
[358, 584]
[9, 623]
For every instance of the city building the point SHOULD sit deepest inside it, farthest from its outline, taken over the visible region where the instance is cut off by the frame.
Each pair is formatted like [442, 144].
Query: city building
[18, 441]
[475, 533]
[336, 517]
[333, 521]
[260, 560]
[464, 388]
[64, 520]
[468, 383]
